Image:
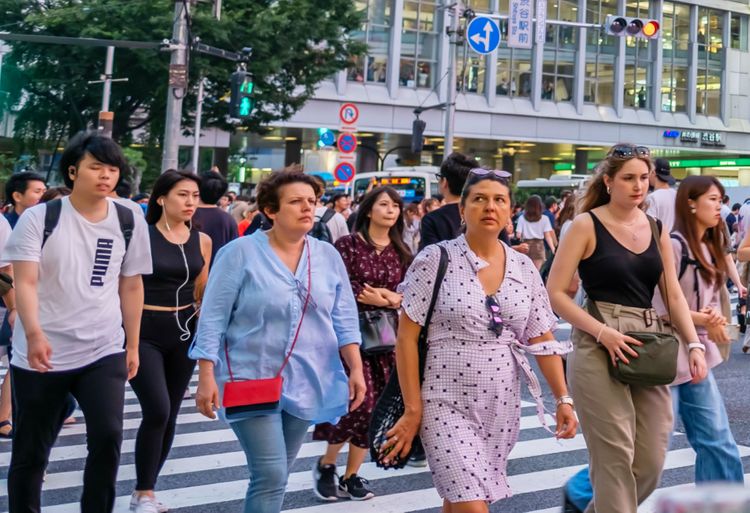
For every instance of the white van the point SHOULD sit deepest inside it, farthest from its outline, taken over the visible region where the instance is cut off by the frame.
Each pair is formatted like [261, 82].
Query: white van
[413, 183]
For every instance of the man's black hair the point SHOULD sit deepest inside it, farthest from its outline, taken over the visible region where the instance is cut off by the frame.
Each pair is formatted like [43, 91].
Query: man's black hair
[736, 206]
[549, 202]
[123, 189]
[102, 148]
[455, 169]
[213, 187]
[19, 182]
[337, 197]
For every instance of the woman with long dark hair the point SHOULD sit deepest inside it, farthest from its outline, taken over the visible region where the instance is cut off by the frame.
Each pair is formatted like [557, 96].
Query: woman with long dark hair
[699, 245]
[180, 257]
[620, 261]
[376, 259]
[534, 229]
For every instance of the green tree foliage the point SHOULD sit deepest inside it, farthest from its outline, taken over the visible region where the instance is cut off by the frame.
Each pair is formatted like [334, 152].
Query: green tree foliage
[296, 44]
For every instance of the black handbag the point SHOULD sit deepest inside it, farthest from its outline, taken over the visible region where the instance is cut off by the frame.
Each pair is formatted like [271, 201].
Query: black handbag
[657, 357]
[378, 328]
[390, 405]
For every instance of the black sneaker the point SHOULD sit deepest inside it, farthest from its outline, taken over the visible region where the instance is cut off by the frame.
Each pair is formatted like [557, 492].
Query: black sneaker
[324, 477]
[356, 488]
[418, 457]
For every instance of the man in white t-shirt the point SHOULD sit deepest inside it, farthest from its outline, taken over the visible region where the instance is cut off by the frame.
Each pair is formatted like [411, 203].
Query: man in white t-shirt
[70, 339]
[661, 202]
[335, 222]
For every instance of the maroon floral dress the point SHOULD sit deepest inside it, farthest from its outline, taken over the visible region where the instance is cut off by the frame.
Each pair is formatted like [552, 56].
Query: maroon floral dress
[384, 270]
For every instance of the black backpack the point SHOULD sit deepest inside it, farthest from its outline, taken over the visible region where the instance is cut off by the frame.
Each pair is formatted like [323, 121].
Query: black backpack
[685, 260]
[124, 215]
[320, 229]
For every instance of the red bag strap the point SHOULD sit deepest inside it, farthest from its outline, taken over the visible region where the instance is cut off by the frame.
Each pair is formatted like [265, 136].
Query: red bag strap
[299, 325]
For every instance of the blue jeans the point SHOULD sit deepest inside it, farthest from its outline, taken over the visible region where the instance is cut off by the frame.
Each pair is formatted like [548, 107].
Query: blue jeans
[271, 443]
[707, 428]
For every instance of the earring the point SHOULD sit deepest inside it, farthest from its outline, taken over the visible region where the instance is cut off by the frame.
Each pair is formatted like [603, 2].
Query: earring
[692, 210]
[608, 190]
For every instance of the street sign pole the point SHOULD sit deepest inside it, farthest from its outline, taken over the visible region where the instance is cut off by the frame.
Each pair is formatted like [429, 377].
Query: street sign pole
[450, 109]
[175, 93]
[106, 118]
[197, 129]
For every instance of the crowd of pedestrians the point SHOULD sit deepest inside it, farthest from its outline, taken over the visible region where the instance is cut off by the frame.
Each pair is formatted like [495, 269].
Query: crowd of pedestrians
[297, 311]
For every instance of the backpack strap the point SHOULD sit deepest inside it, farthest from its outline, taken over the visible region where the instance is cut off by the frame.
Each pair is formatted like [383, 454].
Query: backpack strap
[685, 257]
[51, 218]
[127, 222]
[685, 260]
[327, 215]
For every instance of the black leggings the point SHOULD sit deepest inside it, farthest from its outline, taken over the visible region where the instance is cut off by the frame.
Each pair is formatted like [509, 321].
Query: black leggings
[39, 408]
[164, 373]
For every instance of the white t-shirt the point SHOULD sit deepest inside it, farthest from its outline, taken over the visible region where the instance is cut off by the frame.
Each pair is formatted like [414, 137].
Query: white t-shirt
[337, 223]
[661, 205]
[725, 211]
[5, 231]
[535, 230]
[743, 220]
[565, 227]
[79, 270]
[132, 205]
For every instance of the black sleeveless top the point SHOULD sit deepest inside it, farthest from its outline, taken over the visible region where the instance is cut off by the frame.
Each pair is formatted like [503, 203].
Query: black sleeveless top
[615, 274]
[169, 269]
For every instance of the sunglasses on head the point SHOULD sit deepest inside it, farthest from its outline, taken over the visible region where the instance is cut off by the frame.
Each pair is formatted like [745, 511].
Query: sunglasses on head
[627, 151]
[493, 173]
[496, 321]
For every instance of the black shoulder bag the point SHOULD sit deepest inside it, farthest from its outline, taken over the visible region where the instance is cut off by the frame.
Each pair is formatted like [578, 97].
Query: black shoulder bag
[390, 405]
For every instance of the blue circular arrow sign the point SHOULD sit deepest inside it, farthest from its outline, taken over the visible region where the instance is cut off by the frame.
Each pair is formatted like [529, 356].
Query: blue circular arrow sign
[483, 35]
[344, 172]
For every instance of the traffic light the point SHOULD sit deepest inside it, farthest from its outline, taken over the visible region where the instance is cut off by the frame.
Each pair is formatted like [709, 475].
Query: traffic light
[622, 26]
[241, 102]
[417, 135]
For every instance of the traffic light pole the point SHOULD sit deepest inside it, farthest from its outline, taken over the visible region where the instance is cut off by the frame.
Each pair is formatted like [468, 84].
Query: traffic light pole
[450, 108]
[175, 94]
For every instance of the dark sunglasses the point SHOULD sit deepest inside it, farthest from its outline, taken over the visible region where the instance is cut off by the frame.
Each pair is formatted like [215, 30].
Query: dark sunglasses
[494, 173]
[626, 151]
[496, 322]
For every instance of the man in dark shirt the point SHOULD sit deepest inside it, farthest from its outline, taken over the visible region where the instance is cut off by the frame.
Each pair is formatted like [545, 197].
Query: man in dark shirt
[209, 218]
[445, 222]
[23, 190]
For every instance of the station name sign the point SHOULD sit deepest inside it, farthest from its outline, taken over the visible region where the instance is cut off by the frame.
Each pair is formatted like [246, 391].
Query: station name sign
[704, 137]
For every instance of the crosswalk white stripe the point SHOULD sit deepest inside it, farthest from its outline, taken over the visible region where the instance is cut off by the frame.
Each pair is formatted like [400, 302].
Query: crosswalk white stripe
[69, 452]
[523, 449]
[393, 503]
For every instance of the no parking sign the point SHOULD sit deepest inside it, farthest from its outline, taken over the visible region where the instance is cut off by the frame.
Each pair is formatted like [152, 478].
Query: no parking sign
[344, 172]
[347, 143]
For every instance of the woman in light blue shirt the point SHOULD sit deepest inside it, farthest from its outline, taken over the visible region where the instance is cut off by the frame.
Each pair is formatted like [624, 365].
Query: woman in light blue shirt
[252, 307]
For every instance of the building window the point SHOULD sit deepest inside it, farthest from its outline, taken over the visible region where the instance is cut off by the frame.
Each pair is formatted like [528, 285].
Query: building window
[676, 40]
[600, 55]
[739, 32]
[471, 67]
[710, 61]
[638, 83]
[560, 49]
[376, 33]
[419, 44]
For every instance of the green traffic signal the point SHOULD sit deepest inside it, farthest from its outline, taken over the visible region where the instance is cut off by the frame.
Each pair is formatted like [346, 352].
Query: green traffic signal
[246, 106]
[241, 103]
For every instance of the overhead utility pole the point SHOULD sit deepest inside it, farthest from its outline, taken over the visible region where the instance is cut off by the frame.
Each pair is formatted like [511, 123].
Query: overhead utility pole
[450, 108]
[178, 74]
[197, 129]
[106, 117]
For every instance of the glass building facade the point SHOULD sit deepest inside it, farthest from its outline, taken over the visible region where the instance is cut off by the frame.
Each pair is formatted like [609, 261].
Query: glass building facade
[681, 72]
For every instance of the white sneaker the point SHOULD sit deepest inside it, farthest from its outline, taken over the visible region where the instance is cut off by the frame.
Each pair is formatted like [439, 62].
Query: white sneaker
[137, 502]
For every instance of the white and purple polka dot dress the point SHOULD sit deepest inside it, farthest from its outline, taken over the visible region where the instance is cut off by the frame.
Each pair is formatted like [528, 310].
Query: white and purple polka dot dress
[471, 391]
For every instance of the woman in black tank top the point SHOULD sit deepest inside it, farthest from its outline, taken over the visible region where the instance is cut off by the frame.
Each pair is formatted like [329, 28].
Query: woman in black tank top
[180, 258]
[620, 263]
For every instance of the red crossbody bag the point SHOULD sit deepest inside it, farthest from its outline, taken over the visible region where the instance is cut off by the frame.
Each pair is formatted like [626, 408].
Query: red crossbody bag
[252, 395]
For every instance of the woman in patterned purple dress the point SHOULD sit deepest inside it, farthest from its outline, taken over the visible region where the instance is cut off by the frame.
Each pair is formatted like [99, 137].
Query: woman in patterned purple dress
[376, 259]
[491, 311]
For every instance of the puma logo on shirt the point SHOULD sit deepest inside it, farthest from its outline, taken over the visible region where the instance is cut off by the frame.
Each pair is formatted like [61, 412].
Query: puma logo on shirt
[102, 258]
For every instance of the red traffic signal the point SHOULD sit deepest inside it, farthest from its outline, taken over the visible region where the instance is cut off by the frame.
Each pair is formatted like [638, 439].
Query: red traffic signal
[622, 26]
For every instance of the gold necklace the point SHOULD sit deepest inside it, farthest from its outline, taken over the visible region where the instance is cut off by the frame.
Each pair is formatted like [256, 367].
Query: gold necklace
[633, 234]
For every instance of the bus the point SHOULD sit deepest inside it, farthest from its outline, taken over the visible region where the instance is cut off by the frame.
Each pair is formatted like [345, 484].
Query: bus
[413, 183]
[555, 185]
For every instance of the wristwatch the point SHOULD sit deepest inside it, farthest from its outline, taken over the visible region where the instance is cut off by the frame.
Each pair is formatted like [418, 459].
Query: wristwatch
[564, 399]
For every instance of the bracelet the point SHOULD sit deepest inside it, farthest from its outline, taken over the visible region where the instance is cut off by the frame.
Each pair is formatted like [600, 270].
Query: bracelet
[600, 333]
[564, 399]
[696, 345]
